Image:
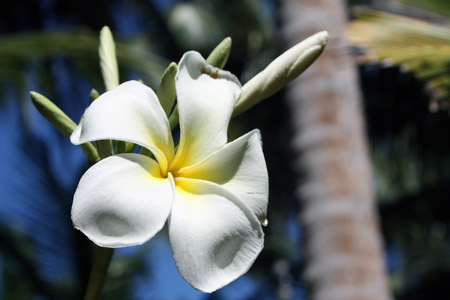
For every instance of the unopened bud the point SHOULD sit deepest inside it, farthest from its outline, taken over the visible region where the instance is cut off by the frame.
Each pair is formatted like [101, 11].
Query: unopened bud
[282, 70]
[108, 60]
[219, 56]
[166, 91]
[61, 121]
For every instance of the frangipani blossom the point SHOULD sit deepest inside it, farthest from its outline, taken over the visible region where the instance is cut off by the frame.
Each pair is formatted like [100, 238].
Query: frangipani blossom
[214, 194]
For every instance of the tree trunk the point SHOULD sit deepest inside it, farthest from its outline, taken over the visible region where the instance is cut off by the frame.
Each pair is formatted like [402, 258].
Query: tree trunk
[344, 259]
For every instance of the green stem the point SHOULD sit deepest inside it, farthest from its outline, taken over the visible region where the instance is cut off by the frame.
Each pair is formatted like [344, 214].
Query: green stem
[98, 273]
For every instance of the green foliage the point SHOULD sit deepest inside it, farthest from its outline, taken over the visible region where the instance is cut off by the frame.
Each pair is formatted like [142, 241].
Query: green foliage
[411, 166]
[202, 24]
[412, 44]
[410, 156]
[437, 6]
[19, 50]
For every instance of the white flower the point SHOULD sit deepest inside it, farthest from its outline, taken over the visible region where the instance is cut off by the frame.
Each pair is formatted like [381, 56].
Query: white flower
[214, 194]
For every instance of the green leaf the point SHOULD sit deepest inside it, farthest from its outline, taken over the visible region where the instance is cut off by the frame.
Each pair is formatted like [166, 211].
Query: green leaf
[435, 6]
[61, 121]
[412, 44]
[108, 60]
[219, 56]
[166, 91]
[19, 49]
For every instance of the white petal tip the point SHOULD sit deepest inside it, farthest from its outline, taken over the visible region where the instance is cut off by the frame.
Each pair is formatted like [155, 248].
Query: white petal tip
[322, 38]
[197, 65]
[75, 136]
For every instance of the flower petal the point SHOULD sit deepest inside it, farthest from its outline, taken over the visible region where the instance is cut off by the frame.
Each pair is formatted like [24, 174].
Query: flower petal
[131, 112]
[240, 168]
[206, 98]
[214, 237]
[122, 201]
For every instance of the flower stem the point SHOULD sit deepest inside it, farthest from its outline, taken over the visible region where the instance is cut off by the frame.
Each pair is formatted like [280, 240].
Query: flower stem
[98, 273]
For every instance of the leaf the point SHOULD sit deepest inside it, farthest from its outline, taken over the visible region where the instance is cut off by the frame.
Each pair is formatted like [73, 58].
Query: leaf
[412, 44]
[435, 6]
[18, 50]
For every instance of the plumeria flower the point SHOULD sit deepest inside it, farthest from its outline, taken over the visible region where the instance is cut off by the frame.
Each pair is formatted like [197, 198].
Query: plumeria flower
[214, 194]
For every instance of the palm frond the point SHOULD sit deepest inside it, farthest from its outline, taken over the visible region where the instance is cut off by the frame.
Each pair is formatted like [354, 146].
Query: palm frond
[436, 6]
[414, 45]
[19, 49]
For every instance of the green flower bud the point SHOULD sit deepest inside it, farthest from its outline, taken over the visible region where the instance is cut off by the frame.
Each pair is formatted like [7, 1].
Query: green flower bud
[93, 95]
[283, 69]
[108, 60]
[61, 121]
[166, 91]
[219, 56]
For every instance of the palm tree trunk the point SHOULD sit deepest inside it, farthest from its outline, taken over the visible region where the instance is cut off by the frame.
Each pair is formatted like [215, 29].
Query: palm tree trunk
[343, 247]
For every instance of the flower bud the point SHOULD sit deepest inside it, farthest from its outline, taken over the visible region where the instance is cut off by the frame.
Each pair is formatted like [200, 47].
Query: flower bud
[108, 60]
[166, 91]
[61, 121]
[219, 56]
[93, 95]
[282, 70]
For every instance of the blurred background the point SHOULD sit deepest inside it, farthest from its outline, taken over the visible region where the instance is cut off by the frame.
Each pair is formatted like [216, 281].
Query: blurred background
[357, 140]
